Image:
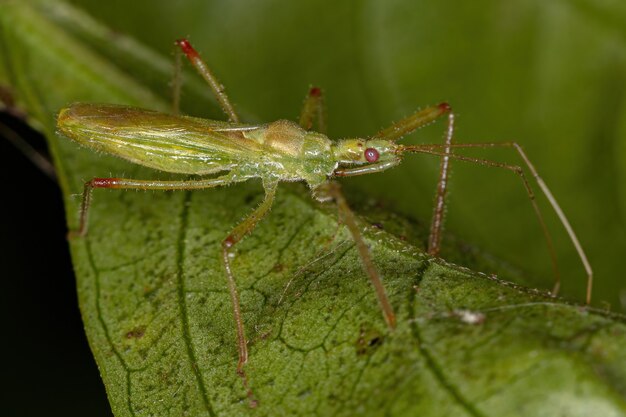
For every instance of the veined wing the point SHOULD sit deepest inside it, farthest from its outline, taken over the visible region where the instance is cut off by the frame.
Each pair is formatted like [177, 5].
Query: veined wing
[162, 141]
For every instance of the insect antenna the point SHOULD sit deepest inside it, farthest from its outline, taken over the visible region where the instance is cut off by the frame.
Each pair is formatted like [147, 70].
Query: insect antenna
[436, 149]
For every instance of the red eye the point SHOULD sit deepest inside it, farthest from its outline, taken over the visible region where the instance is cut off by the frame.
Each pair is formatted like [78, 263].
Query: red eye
[371, 155]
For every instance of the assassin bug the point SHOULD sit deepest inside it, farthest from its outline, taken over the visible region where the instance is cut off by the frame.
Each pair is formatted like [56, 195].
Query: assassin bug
[275, 152]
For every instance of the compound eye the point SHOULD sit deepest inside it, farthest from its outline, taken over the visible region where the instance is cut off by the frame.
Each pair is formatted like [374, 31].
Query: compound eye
[371, 155]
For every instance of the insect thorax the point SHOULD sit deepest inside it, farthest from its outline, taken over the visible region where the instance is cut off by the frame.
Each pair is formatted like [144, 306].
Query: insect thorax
[296, 153]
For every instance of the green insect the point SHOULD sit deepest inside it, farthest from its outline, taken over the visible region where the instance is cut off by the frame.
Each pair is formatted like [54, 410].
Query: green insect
[274, 152]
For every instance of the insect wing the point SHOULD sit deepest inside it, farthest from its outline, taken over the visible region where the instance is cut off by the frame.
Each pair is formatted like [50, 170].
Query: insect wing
[170, 143]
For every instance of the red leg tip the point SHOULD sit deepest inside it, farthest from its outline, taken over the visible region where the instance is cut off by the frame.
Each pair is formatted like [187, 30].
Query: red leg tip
[444, 107]
[228, 242]
[186, 47]
[315, 92]
[104, 182]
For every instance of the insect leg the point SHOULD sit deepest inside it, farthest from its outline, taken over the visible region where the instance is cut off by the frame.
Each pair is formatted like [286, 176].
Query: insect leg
[415, 121]
[365, 169]
[312, 110]
[551, 199]
[242, 229]
[125, 183]
[406, 126]
[205, 72]
[332, 190]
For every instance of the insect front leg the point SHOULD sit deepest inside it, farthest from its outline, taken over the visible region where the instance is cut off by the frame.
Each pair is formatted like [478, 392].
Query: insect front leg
[332, 191]
[408, 125]
[205, 72]
[131, 184]
[228, 244]
[314, 110]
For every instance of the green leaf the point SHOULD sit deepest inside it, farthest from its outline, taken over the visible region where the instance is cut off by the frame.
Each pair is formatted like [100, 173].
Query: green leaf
[152, 290]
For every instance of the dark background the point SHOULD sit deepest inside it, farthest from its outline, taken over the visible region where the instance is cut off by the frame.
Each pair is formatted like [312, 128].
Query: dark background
[46, 356]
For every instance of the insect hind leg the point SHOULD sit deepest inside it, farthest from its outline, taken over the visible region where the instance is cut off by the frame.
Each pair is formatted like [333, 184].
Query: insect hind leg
[185, 47]
[132, 184]
[228, 244]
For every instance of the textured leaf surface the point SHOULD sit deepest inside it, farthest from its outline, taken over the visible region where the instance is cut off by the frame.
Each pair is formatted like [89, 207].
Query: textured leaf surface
[155, 306]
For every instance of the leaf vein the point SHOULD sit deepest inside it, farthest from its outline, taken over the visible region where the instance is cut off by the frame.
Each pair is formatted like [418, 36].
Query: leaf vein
[180, 258]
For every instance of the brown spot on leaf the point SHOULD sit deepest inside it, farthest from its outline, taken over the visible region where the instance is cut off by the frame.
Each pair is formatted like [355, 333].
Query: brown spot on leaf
[369, 340]
[136, 333]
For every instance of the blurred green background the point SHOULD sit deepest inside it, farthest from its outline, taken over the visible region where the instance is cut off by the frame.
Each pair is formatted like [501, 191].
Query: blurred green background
[550, 75]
